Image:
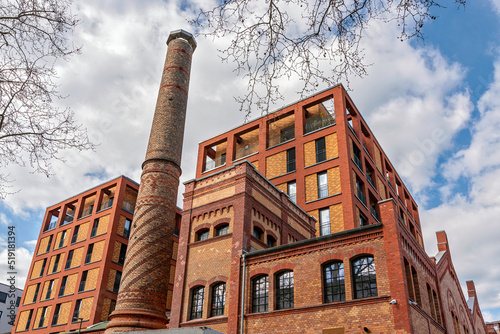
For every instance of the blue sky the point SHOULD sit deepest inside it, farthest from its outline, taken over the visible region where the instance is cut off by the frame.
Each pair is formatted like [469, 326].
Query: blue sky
[439, 98]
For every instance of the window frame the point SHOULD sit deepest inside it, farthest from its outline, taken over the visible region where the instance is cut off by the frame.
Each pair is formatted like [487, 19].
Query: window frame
[360, 293]
[291, 160]
[221, 230]
[284, 290]
[328, 283]
[218, 301]
[320, 145]
[322, 178]
[197, 300]
[322, 223]
[203, 234]
[260, 301]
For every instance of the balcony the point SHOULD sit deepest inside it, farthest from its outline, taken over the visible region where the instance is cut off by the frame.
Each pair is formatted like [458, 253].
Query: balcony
[52, 224]
[127, 206]
[246, 150]
[107, 204]
[318, 122]
[284, 135]
[214, 163]
[68, 219]
[87, 212]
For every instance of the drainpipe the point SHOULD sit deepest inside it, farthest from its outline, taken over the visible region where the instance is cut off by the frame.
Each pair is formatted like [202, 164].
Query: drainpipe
[243, 291]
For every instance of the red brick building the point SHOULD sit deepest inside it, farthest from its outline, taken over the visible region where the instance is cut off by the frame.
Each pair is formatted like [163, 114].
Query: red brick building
[76, 269]
[359, 267]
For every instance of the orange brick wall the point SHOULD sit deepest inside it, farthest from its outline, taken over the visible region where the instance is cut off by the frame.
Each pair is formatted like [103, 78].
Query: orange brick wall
[276, 165]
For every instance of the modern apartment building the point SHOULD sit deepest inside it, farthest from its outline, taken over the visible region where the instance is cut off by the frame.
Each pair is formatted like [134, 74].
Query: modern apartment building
[76, 269]
[10, 298]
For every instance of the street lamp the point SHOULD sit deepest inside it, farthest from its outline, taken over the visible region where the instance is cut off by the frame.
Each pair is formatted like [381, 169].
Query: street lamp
[78, 319]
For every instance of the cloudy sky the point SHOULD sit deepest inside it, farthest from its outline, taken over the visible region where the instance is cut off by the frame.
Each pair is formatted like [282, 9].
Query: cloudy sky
[434, 106]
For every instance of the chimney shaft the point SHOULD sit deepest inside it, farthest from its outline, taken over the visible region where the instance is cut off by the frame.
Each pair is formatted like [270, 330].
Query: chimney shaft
[142, 298]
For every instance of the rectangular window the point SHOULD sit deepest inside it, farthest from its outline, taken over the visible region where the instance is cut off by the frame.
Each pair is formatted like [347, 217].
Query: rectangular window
[324, 221]
[94, 228]
[88, 257]
[126, 229]
[42, 317]
[63, 286]
[49, 289]
[118, 278]
[43, 267]
[123, 251]
[320, 150]
[359, 191]
[322, 185]
[75, 234]
[29, 320]
[76, 314]
[56, 263]
[49, 243]
[69, 260]
[61, 241]
[292, 191]
[356, 156]
[290, 160]
[362, 220]
[56, 314]
[3, 297]
[83, 281]
[36, 293]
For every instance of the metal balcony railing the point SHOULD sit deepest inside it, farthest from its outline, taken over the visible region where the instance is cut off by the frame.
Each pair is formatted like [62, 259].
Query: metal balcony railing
[105, 205]
[323, 191]
[284, 135]
[318, 122]
[211, 164]
[127, 206]
[246, 150]
[68, 218]
[87, 212]
[52, 225]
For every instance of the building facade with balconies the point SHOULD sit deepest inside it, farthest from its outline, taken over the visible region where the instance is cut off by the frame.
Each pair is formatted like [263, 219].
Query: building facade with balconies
[76, 268]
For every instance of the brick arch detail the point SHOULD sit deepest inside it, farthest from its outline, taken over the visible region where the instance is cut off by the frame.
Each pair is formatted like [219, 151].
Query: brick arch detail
[259, 225]
[330, 258]
[283, 267]
[217, 279]
[202, 227]
[197, 283]
[272, 234]
[259, 271]
[221, 221]
[361, 251]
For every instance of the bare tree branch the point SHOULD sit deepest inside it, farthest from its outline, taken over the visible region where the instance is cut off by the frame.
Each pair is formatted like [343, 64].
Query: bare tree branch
[270, 42]
[33, 131]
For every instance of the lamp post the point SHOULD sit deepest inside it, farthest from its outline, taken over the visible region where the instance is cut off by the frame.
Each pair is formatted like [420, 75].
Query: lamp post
[78, 319]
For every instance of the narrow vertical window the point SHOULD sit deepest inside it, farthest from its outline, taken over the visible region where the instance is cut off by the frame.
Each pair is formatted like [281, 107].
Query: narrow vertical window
[63, 285]
[69, 260]
[126, 229]
[363, 221]
[260, 293]
[284, 290]
[118, 278]
[55, 319]
[49, 289]
[290, 160]
[42, 317]
[28, 322]
[35, 296]
[356, 157]
[76, 314]
[324, 221]
[56, 263]
[364, 277]
[63, 237]
[43, 267]
[197, 297]
[49, 243]
[75, 234]
[123, 251]
[322, 185]
[320, 150]
[218, 299]
[90, 250]
[83, 281]
[333, 282]
[292, 191]
[94, 228]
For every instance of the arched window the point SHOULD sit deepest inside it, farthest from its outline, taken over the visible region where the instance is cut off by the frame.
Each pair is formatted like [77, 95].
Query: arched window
[222, 230]
[364, 277]
[257, 233]
[333, 282]
[271, 242]
[260, 293]
[284, 290]
[202, 234]
[416, 286]
[197, 297]
[218, 299]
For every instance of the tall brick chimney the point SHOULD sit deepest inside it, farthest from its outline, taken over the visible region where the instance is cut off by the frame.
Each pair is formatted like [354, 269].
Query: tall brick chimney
[142, 298]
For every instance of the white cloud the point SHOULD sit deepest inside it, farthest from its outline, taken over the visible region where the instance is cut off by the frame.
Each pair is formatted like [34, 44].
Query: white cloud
[21, 266]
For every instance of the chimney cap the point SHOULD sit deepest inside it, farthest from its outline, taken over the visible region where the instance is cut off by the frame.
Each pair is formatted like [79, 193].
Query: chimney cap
[184, 35]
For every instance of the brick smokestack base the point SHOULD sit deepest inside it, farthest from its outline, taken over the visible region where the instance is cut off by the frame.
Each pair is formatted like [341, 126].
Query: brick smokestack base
[142, 298]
